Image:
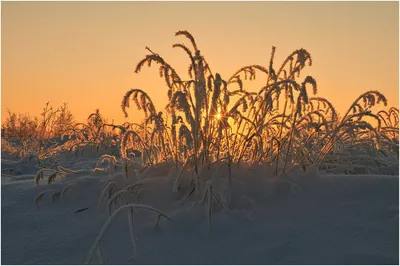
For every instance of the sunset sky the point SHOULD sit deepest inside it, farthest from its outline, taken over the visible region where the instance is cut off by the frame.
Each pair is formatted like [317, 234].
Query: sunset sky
[85, 53]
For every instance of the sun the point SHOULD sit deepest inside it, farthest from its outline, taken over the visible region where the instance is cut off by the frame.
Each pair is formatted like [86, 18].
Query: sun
[218, 116]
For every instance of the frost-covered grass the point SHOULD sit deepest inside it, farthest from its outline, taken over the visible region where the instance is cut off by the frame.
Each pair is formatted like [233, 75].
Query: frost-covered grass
[222, 175]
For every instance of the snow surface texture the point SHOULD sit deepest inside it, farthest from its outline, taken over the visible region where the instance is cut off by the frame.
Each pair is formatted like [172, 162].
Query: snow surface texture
[329, 220]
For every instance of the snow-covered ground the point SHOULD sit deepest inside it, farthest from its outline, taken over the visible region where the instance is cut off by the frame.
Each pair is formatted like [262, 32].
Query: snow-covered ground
[329, 220]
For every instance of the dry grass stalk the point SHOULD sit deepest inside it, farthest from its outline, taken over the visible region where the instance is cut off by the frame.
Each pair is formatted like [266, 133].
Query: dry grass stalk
[111, 219]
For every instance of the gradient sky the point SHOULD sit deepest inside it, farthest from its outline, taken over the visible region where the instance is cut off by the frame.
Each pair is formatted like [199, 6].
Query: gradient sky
[85, 53]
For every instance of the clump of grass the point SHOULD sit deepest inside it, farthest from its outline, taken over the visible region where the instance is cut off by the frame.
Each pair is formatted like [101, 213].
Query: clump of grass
[213, 118]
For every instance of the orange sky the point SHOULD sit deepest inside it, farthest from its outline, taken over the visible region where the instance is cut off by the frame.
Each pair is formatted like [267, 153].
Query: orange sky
[85, 53]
